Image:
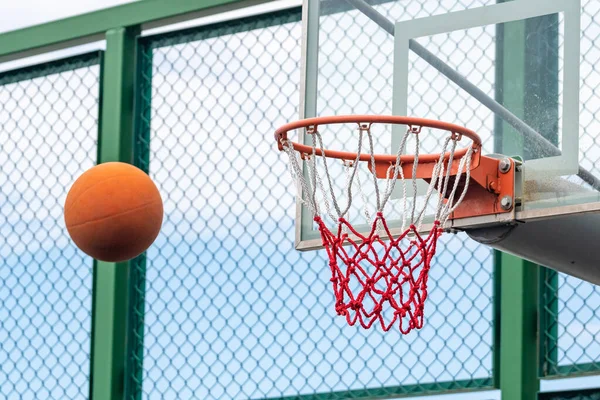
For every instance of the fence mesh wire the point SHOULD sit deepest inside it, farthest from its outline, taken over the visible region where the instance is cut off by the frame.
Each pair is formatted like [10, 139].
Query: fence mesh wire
[48, 132]
[231, 309]
[571, 326]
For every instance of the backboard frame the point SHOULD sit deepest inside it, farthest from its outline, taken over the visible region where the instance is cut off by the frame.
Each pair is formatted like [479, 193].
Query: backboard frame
[566, 163]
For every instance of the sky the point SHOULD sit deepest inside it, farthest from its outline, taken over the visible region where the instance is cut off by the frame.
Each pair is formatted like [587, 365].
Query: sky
[23, 13]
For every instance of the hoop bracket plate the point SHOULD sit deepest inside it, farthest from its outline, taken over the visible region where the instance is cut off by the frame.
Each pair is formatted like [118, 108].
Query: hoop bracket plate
[491, 189]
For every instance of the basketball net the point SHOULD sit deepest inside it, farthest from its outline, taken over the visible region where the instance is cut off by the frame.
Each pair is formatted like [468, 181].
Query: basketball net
[377, 276]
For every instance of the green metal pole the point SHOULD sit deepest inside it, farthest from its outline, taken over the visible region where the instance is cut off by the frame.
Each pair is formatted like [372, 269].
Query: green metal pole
[517, 292]
[527, 83]
[143, 106]
[112, 280]
[541, 113]
[518, 329]
[91, 27]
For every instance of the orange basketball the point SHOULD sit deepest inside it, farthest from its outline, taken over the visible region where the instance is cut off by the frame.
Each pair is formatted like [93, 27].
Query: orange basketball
[113, 212]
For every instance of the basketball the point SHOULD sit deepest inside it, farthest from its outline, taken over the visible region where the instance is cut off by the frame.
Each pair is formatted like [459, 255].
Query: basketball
[113, 212]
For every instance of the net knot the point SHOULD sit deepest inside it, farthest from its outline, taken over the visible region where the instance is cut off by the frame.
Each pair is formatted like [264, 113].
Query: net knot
[402, 311]
[394, 280]
[351, 269]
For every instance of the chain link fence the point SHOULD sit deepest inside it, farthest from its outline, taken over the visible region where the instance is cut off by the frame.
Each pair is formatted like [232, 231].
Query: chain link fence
[231, 309]
[48, 132]
[224, 306]
[256, 305]
[571, 326]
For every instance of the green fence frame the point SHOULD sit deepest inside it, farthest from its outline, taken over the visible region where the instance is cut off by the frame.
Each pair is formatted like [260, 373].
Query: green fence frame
[124, 135]
[141, 159]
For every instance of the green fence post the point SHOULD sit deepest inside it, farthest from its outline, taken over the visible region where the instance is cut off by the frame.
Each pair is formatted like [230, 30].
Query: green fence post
[542, 94]
[112, 280]
[518, 329]
[531, 93]
[548, 322]
[141, 151]
[518, 289]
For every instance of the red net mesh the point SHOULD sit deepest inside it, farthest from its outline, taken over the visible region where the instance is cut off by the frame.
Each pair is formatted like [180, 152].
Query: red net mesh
[379, 278]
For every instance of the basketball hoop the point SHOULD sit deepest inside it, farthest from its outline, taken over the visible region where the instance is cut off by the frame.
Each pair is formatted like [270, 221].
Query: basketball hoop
[379, 276]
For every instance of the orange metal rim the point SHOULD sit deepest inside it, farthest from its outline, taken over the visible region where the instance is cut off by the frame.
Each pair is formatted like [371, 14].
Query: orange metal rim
[412, 122]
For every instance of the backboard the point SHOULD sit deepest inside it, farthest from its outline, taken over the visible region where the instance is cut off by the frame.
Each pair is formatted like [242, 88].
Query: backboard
[519, 73]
